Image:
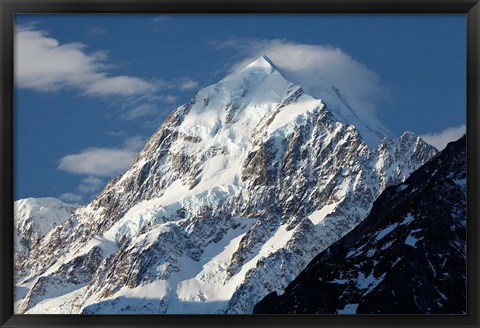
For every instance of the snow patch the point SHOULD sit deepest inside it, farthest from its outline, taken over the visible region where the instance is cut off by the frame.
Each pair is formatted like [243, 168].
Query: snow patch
[461, 182]
[409, 218]
[318, 216]
[382, 233]
[338, 281]
[349, 309]
[411, 240]
[369, 282]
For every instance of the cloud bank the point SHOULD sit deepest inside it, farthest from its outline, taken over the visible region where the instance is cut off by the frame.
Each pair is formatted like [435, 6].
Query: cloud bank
[440, 139]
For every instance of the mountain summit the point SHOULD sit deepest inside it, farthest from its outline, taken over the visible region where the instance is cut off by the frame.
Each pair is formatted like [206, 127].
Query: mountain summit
[228, 201]
[371, 130]
[263, 62]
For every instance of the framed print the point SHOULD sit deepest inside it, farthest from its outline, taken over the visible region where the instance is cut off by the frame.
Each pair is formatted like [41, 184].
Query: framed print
[214, 163]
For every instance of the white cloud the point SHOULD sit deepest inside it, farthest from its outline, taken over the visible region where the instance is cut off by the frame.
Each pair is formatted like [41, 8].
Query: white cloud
[105, 162]
[97, 161]
[188, 85]
[121, 85]
[315, 67]
[42, 63]
[70, 197]
[440, 139]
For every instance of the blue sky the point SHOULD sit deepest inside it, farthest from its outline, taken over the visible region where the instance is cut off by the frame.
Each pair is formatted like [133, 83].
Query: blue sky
[91, 89]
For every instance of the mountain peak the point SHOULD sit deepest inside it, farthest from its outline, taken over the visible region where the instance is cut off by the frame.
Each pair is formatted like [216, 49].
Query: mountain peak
[254, 72]
[262, 62]
[268, 60]
[371, 130]
[203, 188]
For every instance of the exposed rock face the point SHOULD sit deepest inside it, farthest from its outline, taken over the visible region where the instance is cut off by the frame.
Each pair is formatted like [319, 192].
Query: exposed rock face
[229, 200]
[407, 257]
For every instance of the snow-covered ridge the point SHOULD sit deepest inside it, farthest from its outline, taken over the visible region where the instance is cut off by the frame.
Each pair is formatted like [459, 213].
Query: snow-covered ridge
[228, 201]
[34, 217]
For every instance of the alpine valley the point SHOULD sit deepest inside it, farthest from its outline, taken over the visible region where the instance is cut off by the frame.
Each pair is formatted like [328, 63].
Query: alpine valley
[229, 200]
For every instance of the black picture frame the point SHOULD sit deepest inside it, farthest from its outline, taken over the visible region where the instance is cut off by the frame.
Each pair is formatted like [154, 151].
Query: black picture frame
[8, 8]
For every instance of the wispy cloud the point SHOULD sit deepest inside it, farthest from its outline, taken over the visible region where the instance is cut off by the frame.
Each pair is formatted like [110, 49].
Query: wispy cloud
[85, 189]
[155, 106]
[115, 133]
[102, 162]
[119, 85]
[42, 63]
[189, 85]
[440, 139]
[181, 83]
[159, 20]
[169, 99]
[135, 143]
[140, 111]
[90, 185]
[314, 67]
[71, 197]
[96, 30]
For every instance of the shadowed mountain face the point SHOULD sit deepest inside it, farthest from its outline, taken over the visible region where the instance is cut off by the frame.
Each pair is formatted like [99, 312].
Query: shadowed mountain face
[407, 256]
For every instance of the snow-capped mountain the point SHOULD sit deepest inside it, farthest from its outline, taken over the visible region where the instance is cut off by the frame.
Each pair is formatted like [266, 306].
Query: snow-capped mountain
[407, 256]
[34, 217]
[229, 200]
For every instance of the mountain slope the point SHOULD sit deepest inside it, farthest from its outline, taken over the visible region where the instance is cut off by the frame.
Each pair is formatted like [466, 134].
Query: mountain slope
[407, 256]
[251, 174]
